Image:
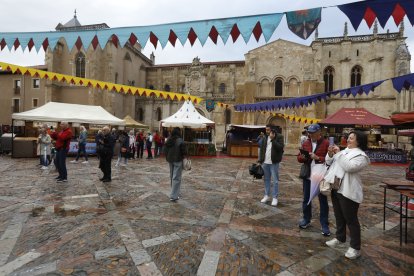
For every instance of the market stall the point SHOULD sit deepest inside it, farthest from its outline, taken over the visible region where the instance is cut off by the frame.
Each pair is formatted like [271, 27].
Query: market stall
[132, 124]
[197, 130]
[241, 140]
[93, 117]
[377, 128]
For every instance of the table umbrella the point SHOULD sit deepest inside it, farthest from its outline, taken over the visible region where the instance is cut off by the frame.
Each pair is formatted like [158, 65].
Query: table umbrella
[317, 173]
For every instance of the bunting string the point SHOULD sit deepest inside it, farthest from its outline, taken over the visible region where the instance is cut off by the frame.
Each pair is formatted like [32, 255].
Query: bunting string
[300, 22]
[119, 88]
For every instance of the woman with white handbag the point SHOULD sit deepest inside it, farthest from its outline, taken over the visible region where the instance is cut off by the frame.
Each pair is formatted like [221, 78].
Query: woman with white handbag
[347, 195]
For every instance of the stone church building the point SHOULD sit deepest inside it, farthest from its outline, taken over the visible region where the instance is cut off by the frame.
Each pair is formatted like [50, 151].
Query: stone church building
[278, 70]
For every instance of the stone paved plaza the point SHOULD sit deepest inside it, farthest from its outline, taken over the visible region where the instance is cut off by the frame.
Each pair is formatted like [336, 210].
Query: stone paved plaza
[218, 227]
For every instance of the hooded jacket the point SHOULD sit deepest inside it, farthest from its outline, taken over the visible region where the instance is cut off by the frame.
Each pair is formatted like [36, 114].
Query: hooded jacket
[175, 149]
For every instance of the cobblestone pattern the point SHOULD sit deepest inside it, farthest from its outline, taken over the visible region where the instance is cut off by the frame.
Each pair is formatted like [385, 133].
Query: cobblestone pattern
[218, 227]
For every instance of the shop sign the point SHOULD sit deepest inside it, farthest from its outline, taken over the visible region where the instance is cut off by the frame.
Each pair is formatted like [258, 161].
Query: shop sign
[40, 124]
[95, 126]
[19, 123]
[90, 147]
[384, 156]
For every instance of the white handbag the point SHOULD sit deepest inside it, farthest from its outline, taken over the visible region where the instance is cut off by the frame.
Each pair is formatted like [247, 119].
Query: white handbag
[187, 164]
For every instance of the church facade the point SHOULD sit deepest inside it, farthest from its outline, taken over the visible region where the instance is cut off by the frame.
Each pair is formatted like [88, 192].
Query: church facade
[278, 70]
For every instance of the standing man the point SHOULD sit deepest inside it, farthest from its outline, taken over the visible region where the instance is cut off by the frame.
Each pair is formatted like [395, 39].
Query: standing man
[157, 143]
[317, 146]
[140, 139]
[175, 151]
[271, 153]
[148, 145]
[105, 156]
[62, 147]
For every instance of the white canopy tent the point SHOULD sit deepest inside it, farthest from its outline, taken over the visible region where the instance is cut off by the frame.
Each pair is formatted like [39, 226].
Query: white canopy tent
[72, 113]
[187, 116]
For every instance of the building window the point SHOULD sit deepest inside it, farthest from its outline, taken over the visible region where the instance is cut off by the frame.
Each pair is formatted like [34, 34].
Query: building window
[222, 88]
[356, 75]
[16, 105]
[116, 77]
[36, 83]
[329, 54]
[140, 114]
[151, 87]
[159, 114]
[80, 65]
[17, 86]
[357, 53]
[227, 116]
[167, 88]
[278, 87]
[35, 102]
[328, 76]
[183, 88]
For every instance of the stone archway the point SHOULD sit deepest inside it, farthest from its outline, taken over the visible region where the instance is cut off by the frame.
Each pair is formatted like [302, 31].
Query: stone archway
[280, 122]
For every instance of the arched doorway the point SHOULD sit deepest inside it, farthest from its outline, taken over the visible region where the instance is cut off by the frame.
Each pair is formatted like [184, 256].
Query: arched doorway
[280, 123]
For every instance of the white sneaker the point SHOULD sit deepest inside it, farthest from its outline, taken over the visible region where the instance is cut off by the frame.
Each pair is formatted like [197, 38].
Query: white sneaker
[44, 168]
[265, 199]
[334, 243]
[74, 161]
[85, 162]
[352, 253]
[274, 202]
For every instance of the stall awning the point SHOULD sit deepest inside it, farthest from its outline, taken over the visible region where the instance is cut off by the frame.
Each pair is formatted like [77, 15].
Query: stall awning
[356, 117]
[130, 122]
[403, 119]
[72, 113]
[187, 116]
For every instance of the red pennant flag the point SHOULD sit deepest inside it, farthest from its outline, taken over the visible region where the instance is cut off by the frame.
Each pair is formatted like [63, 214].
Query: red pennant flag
[235, 32]
[95, 42]
[369, 16]
[213, 34]
[45, 44]
[398, 14]
[133, 39]
[115, 40]
[2, 44]
[192, 36]
[30, 44]
[257, 31]
[154, 39]
[78, 43]
[16, 44]
[172, 38]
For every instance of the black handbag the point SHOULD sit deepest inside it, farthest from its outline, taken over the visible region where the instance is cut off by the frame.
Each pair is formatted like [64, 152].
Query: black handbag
[256, 170]
[305, 170]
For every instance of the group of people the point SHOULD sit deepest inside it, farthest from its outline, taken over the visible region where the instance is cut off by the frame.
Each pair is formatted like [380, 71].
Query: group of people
[174, 149]
[342, 174]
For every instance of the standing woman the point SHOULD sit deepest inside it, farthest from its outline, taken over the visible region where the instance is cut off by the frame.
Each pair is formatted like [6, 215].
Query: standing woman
[83, 136]
[175, 151]
[44, 141]
[346, 165]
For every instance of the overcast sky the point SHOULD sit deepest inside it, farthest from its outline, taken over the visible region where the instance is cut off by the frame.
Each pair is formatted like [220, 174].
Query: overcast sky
[44, 15]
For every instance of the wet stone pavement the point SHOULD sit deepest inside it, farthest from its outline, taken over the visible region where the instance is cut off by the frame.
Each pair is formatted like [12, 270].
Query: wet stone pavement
[218, 227]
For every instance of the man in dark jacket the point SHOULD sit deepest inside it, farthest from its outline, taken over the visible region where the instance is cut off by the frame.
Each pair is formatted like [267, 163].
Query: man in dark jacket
[271, 153]
[105, 154]
[175, 151]
[62, 145]
[317, 146]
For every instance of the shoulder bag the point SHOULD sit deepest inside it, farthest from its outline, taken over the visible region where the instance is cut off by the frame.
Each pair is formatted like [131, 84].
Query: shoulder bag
[187, 164]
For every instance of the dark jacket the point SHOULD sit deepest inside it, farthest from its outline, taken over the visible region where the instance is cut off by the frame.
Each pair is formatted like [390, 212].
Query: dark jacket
[108, 142]
[175, 149]
[277, 149]
[321, 150]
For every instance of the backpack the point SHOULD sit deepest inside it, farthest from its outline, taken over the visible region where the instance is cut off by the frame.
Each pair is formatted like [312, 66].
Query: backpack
[256, 170]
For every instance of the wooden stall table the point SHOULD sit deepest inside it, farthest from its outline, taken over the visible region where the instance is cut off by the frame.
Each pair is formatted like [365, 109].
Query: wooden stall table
[405, 189]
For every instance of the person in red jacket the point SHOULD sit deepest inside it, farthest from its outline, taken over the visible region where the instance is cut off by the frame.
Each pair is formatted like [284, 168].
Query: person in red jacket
[317, 146]
[62, 138]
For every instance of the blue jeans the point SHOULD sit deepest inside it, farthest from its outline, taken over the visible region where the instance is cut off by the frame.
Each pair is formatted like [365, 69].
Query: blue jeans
[176, 169]
[271, 172]
[307, 209]
[82, 149]
[61, 163]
